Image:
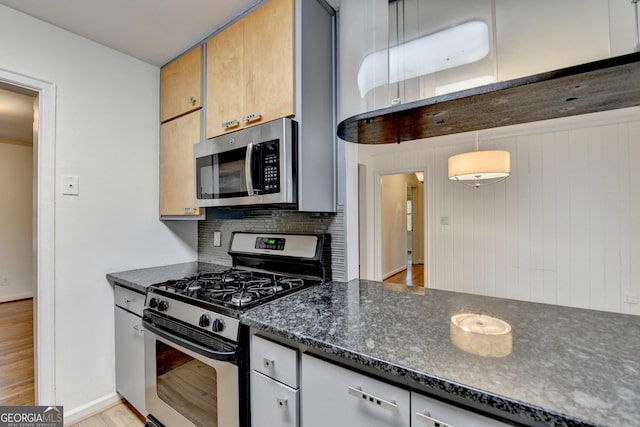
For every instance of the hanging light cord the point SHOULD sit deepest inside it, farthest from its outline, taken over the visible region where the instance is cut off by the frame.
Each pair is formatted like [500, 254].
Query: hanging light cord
[635, 4]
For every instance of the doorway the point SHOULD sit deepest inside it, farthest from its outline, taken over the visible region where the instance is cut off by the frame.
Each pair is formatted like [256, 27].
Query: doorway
[16, 248]
[402, 236]
[42, 223]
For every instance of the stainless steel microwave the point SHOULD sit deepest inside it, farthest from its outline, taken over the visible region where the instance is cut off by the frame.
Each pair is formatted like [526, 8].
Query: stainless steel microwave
[251, 166]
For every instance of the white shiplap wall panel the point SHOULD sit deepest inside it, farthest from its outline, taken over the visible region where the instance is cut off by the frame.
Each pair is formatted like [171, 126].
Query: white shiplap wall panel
[579, 221]
[614, 219]
[634, 214]
[563, 220]
[599, 150]
[563, 229]
[549, 219]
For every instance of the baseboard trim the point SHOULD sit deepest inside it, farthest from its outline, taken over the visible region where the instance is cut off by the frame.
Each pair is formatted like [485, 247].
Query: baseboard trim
[394, 272]
[16, 297]
[87, 410]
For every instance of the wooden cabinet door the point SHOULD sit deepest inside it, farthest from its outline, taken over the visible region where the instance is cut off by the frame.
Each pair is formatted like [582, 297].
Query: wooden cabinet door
[181, 85]
[269, 61]
[177, 188]
[225, 80]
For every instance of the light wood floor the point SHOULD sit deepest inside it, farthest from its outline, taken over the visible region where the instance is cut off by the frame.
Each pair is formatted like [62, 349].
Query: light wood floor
[16, 353]
[118, 415]
[414, 275]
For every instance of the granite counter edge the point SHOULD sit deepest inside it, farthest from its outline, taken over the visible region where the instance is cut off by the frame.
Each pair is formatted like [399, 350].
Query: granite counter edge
[421, 381]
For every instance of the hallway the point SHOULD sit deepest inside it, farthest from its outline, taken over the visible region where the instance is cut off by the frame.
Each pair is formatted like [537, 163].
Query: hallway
[16, 353]
[414, 276]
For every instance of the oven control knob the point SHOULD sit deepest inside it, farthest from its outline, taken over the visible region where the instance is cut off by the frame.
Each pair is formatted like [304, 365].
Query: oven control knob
[218, 326]
[205, 320]
[163, 306]
[153, 303]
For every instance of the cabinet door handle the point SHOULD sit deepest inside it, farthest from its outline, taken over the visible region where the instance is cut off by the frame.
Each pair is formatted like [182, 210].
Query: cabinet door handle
[230, 124]
[388, 405]
[252, 117]
[127, 301]
[192, 100]
[282, 402]
[138, 328]
[425, 418]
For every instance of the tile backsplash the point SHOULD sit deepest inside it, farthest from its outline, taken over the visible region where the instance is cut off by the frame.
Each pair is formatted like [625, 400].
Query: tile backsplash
[275, 220]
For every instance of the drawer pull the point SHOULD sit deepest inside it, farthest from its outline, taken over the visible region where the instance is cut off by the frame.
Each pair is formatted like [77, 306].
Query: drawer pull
[230, 124]
[388, 405]
[282, 403]
[139, 329]
[192, 100]
[252, 117]
[425, 418]
[268, 363]
[128, 301]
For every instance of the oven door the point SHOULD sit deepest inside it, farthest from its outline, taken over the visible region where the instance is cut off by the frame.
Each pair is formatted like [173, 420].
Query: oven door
[185, 387]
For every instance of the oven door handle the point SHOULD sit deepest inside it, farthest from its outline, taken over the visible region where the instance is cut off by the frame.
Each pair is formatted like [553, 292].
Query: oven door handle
[225, 356]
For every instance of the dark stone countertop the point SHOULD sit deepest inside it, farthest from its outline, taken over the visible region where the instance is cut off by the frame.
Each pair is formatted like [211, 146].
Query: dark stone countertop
[568, 367]
[139, 280]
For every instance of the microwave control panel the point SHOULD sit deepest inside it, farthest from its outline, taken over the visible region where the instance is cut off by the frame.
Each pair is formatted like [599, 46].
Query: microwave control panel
[270, 167]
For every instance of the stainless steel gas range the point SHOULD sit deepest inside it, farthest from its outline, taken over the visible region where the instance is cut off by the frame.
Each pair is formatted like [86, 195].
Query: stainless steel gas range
[196, 350]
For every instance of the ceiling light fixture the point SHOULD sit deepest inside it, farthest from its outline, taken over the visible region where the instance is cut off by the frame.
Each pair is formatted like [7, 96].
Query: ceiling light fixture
[478, 168]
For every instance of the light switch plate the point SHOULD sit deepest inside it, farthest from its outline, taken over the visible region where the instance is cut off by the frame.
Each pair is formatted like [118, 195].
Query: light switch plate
[216, 239]
[70, 185]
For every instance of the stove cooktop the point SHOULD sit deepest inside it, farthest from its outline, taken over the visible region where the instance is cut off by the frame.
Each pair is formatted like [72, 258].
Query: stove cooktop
[235, 289]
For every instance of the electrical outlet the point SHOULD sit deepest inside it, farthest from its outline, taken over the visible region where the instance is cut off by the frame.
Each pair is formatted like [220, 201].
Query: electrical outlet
[631, 298]
[70, 185]
[216, 239]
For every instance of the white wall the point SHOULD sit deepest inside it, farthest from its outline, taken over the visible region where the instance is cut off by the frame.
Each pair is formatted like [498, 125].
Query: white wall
[107, 134]
[16, 183]
[394, 219]
[563, 229]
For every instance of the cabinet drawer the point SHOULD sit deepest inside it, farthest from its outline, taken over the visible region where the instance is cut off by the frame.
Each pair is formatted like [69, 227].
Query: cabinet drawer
[275, 361]
[428, 412]
[338, 397]
[273, 404]
[130, 300]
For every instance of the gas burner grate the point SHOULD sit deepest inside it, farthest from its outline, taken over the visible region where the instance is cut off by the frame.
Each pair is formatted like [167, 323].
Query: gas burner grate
[236, 289]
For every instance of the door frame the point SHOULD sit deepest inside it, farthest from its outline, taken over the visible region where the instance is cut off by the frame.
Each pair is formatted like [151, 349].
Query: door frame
[44, 233]
[377, 238]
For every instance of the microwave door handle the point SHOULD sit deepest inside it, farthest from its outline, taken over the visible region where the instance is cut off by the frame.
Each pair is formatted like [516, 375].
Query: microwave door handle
[248, 161]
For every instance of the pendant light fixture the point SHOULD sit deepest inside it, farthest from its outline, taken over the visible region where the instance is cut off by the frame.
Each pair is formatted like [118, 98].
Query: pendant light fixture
[478, 168]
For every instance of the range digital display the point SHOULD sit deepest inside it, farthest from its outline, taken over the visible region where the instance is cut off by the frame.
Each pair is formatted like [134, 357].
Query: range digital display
[272, 243]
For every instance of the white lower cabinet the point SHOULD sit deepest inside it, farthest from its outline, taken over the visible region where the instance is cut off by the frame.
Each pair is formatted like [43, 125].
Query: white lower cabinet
[428, 412]
[274, 384]
[332, 396]
[276, 405]
[129, 343]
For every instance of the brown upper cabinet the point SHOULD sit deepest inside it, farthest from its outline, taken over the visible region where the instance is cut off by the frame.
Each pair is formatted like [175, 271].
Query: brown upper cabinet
[177, 195]
[181, 85]
[250, 70]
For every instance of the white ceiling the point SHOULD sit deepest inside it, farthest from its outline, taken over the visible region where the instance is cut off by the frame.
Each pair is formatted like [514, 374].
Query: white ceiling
[154, 31]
